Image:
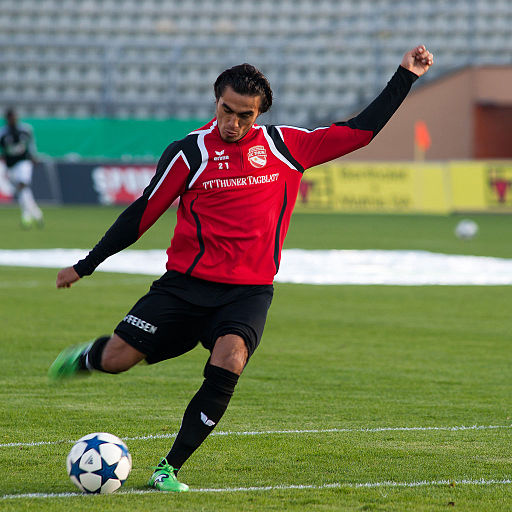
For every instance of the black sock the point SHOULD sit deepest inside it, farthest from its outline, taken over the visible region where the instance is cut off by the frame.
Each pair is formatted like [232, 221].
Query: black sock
[203, 412]
[90, 359]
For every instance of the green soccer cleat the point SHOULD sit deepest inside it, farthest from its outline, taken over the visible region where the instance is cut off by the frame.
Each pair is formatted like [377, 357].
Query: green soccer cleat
[164, 479]
[67, 363]
[26, 223]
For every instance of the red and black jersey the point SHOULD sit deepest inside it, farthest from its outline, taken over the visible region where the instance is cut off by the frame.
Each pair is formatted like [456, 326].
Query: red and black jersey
[236, 198]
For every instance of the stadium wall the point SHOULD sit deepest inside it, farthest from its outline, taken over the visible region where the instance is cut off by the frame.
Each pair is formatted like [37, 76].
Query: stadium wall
[132, 140]
[364, 187]
[453, 108]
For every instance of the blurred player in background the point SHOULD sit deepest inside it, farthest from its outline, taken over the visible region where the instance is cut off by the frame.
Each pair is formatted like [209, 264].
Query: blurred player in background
[18, 151]
[237, 183]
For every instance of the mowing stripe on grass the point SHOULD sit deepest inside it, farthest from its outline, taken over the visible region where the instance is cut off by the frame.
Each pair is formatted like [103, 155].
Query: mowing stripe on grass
[292, 487]
[278, 432]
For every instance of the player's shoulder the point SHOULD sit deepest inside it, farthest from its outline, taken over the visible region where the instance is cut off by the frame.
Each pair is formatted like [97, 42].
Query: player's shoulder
[190, 140]
[287, 133]
[206, 129]
[286, 128]
[25, 128]
[188, 147]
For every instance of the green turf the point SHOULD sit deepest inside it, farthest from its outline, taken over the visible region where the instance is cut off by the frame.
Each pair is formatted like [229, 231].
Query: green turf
[345, 357]
[81, 227]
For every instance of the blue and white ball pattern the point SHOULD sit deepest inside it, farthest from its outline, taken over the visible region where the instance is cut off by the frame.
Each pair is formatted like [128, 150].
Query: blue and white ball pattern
[99, 463]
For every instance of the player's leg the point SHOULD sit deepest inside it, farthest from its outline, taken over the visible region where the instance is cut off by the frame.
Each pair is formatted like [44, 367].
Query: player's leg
[204, 410]
[28, 204]
[15, 176]
[21, 194]
[211, 400]
[137, 336]
[237, 329]
[105, 354]
[30, 212]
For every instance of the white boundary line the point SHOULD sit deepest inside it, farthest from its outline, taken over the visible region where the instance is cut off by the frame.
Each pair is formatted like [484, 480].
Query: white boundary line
[457, 428]
[335, 485]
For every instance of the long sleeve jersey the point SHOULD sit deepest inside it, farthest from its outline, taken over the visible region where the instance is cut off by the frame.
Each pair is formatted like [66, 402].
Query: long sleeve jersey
[236, 198]
[17, 144]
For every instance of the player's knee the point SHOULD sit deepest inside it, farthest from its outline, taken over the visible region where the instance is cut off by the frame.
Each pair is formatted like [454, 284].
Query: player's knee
[118, 356]
[113, 364]
[233, 364]
[230, 352]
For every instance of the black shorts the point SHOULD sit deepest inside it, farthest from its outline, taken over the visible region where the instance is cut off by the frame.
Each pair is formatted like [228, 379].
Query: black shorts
[179, 311]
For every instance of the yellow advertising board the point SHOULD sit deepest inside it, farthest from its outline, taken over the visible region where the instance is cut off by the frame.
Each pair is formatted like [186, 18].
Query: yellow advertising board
[481, 186]
[376, 187]
[408, 187]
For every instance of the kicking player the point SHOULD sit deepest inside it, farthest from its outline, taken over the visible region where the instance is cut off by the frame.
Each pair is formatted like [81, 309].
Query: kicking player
[18, 150]
[237, 183]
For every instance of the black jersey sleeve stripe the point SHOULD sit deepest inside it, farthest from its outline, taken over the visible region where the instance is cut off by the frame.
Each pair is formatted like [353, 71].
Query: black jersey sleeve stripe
[190, 150]
[165, 160]
[194, 156]
[274, 134]
[278, 229]
[199, 237]
[379, 112]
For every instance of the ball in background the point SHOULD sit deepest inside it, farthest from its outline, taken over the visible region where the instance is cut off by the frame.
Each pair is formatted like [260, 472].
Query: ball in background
[466, 229]
[99, 463]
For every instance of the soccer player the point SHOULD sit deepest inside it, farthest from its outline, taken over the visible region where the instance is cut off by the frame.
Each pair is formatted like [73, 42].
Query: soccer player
[18, 150]
[237, 183]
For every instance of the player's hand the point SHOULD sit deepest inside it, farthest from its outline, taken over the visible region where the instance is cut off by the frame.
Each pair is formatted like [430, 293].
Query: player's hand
[418, 60]
[66, 277]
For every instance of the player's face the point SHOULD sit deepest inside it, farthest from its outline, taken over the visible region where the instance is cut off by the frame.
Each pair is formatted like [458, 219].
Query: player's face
[236, 113]
[11, 119]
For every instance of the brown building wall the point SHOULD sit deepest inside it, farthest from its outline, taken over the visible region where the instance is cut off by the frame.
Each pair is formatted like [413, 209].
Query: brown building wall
[448, 108]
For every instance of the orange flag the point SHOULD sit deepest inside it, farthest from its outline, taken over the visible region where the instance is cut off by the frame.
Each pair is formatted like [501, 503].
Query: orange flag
[421, 135]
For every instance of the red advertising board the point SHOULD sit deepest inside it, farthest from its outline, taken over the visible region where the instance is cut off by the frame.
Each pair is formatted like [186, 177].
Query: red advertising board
[121, 184]
[6, 188]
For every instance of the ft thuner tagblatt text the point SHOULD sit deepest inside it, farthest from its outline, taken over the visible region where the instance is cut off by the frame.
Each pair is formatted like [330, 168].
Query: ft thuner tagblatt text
[240, 182]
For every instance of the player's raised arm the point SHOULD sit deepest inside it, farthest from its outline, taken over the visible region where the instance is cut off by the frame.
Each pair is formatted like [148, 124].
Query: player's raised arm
[322, 145]
[373, 118]
[418, 60]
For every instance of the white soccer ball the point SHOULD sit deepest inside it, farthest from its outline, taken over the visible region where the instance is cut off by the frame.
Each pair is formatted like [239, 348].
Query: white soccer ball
[99, 463]
[466, 229]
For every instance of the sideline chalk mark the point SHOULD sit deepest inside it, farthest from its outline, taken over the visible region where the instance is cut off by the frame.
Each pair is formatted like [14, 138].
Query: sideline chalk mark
[284, 432]
[334, 485]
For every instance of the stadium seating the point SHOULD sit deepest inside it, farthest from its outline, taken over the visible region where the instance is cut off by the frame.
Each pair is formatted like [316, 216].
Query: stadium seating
[159, 58]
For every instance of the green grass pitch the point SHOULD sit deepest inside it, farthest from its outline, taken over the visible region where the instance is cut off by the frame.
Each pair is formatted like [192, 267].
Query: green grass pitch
[347, 367]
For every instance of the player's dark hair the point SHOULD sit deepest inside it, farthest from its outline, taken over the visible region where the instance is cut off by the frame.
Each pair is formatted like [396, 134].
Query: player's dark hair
[247, 80]
[10, 112]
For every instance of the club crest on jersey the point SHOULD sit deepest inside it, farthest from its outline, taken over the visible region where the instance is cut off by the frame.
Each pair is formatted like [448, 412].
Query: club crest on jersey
[257, 156]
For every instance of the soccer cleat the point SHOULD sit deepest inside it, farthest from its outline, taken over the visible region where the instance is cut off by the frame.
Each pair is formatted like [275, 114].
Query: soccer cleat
[164, 479]
[26, 223]
[39, 223]
[67, 363]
